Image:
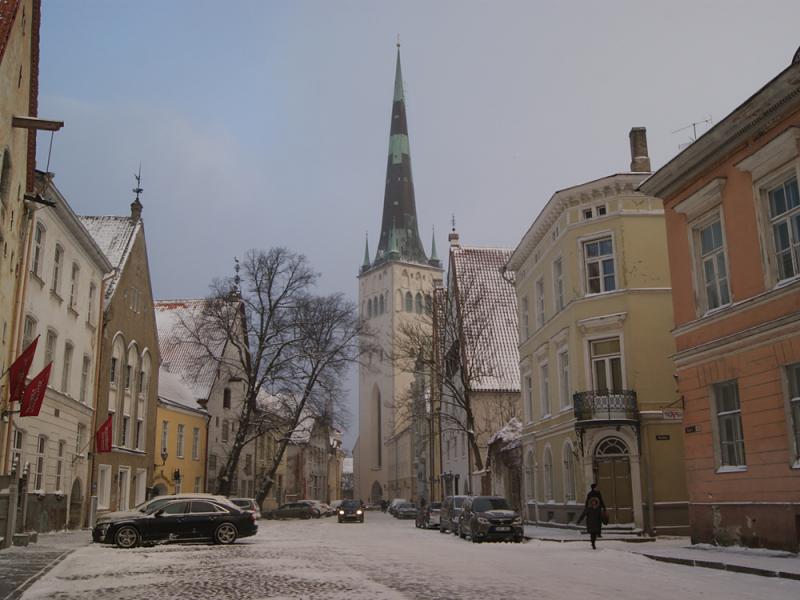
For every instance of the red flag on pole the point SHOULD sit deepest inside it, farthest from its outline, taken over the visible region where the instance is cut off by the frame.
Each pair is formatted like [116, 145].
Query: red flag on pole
[102, 439]
[18, 371]
[34, 394]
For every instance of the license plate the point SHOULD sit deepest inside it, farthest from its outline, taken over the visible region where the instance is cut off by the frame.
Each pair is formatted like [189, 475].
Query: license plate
[502, 528]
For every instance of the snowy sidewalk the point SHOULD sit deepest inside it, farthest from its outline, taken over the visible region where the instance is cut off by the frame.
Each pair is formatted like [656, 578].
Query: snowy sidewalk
[21, 566]
[562, 534]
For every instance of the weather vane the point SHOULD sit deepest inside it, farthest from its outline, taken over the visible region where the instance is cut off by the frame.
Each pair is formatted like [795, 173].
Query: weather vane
[138, 177]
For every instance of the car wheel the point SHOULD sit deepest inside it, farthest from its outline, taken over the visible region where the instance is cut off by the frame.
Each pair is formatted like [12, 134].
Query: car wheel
[305, 516]
[461, 533]
[442, 529]
[340, 520]
[225, 534]
[127, 537]
[474, 539]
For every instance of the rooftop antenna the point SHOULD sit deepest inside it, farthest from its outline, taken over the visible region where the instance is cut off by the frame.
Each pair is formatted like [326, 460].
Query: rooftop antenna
[693, 126]
[138, 177]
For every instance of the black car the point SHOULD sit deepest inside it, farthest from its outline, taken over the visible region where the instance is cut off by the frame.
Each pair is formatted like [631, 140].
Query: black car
[351, 510]
[405, 510]
[178, 521]
[487, 518]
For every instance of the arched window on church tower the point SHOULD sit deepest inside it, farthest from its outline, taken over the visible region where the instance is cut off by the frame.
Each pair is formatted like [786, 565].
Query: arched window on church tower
[409, 302]
[369, 308]
[381, 306]
[418, 304]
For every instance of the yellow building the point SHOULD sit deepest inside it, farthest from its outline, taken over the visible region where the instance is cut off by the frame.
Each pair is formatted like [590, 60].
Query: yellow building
[595, 314]
[182, 435]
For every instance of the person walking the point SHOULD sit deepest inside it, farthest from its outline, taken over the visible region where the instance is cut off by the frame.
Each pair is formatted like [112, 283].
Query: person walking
[593, 513]
[594, 493]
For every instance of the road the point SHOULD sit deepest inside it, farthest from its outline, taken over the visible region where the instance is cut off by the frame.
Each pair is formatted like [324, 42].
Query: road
[386, 559]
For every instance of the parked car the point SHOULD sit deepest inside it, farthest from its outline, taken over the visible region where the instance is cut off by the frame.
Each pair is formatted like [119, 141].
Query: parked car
[451, 510]
[429, 517]
[393, 504]
[248, 504]
[157, 502]
[486, 518]
[405, 510]
[302, 509]
[178, 521]
[324, 509]
[351, 510]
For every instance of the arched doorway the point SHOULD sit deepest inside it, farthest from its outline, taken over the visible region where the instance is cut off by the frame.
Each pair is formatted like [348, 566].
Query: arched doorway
[376, 494]
[75, 505]
[612, 472]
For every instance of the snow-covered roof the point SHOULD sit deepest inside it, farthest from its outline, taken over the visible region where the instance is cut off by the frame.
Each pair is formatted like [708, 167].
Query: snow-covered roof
[115, 237]
[182, 357]
[172, 389]
[489, 316]
[509, 435]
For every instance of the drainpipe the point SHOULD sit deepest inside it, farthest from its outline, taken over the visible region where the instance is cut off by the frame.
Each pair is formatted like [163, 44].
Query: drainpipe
[645, 465]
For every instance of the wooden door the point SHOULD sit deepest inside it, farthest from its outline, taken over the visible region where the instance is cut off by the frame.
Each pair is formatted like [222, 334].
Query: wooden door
[614, 482]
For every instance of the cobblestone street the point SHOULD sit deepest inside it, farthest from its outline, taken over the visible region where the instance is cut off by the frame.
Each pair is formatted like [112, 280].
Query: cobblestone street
[385, 558]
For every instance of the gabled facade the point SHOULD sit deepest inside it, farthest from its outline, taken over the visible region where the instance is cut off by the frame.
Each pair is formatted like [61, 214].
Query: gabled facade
[62, 306]
[308, 456]
[732, 210]
[127, 383]
[598, 396]
[393, 287]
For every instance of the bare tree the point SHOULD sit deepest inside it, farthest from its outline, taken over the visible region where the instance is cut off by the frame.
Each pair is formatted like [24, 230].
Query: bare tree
[289, 348]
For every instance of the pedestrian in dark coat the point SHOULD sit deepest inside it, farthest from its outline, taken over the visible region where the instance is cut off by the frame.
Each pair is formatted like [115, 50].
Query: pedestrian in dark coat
[594, 493]
[593, 513]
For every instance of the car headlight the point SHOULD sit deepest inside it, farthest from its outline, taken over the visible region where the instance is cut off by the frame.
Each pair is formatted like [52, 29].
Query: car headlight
[341, 512]
[358, 512]
[483, 521]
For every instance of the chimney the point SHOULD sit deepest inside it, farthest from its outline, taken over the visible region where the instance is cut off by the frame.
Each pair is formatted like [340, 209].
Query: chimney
[640, 161]
[136, 210]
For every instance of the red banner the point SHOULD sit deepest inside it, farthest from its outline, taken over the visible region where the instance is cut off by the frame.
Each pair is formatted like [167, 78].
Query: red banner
[102, 439]
[19, 371]
[34, 394]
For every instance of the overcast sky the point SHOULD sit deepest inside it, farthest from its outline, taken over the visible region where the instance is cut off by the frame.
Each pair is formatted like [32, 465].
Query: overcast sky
[266, 123]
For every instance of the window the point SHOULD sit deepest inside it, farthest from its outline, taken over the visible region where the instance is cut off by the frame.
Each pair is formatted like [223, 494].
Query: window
[529, 476]
[164, 434]
[381, 305]
[569, 473]
[212, 464]
[16, 450]
[784, 216]
[587, 213]
[128, 377]
[225, 431]
[558, 284]
[226, 398]
[126, 423]
[713, 265]
[113, 374]
[139, 439]
[140, 383]
[729, 424]
[58, 259]
[38, 476]
[29, 331]
[67, 368]
[418, 306]
[203, 507]
[526, 329]
[176, 508]
[85, 368]
[544, 387]
[196, 443]
[548, 475]
[369, 308]
[409, 302]
[60, 466]
[179, 444]
[599, 257]
[539, 303]
[198, 482]
[606, 365]
[104, 486]
[38, 249]
[529, 397]
[73, 286]
[600, 210]
[793, 375]
[563, 379]
[90, 307]
[80, 440]
[248, 463]
[50, 347]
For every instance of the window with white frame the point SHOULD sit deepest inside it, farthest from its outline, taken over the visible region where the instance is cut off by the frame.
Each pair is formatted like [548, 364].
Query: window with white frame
[544, 389]
[606, 359]
[713, 264]
[784, 217]
[50, 347]
[529, 397]
[196, 443]
[548, 475]
[85, 370]
[179, 442]
[125, 430]
[39, 463]
[139, 438]
[526, 329]
[529, 476]
[164, 434]
[569, 473]
[558, 284]
[563, 379]
[540, 302]
[80, 440]
[17, 440]
[793, 376]
[38, 250]
[225, 431]
[197, 484]
[113, 373]
[729, 424]
[104, 486]
[60, 466]
[599, 263]
[58, 265]
[66, 369]
[73, 286]
[29, 331]
[90, 307]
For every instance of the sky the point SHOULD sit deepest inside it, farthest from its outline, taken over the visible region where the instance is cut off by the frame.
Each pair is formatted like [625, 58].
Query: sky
[261, 123]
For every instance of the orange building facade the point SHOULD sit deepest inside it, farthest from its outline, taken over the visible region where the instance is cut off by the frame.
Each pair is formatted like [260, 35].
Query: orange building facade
[732, 211]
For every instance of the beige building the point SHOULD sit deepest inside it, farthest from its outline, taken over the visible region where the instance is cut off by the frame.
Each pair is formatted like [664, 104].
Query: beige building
[595, 313]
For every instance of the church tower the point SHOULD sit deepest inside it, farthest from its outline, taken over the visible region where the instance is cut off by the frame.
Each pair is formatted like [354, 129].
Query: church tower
[394, 286]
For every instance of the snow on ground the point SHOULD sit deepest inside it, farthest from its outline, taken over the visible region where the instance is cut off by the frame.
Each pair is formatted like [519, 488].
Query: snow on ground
[386, 559]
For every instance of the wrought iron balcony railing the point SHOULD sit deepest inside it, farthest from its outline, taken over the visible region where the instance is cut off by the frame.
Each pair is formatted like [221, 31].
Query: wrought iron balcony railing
[606, 405]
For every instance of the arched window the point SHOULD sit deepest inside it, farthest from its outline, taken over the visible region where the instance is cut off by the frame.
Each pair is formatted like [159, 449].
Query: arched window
[428, 304]
[548, 474]
[611, 447]
[117, 377]
[141, 409]
[569, 473]
[529, 476]
[378, 417]
[226, 398]
[58, 265]
[73, 286]
[409, 302]
[5, 177]
[381, 305]
[418, 304]
[38, 250]
[369, 308]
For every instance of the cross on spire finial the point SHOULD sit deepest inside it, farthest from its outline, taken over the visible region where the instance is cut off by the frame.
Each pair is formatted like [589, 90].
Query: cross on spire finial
[138, 177]
[398, 40]
[453, 221]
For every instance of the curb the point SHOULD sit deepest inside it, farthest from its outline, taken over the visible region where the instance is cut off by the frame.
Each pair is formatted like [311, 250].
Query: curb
[708, 564]
[21, 588]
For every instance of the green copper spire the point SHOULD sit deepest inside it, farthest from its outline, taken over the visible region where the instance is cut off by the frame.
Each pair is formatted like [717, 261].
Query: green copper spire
[434, 256]
[393, 250]
[398, 80]
[365, 264]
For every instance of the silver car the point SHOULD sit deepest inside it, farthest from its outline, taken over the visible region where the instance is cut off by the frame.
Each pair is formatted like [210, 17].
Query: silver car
[451, 511]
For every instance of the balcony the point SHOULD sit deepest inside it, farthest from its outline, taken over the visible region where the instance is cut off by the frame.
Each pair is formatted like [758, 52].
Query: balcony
[601, 407]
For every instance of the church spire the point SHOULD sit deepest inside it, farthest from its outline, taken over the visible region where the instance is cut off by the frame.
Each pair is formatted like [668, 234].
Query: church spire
[434, 259]
[399, 208]
[365, 264]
